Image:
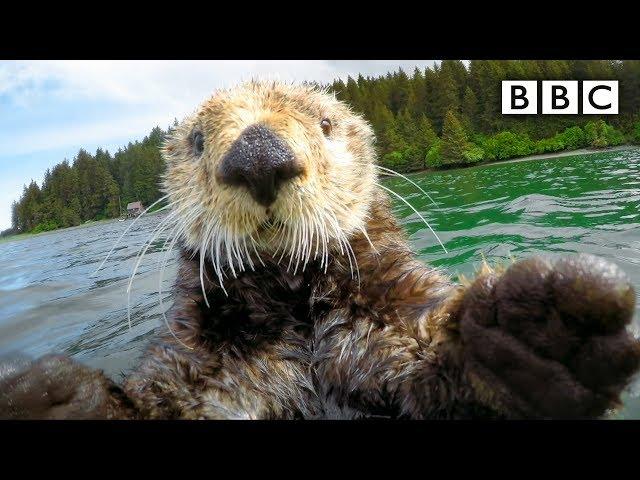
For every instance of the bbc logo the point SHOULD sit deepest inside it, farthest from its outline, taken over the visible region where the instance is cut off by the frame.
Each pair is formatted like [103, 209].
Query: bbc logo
[520, 97]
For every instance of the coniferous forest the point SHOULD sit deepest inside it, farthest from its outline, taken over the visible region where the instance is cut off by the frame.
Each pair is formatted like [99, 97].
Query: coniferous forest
[440, 117]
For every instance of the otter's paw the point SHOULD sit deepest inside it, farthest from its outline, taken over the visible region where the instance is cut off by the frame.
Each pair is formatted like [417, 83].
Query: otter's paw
[549, 340]
[56, 387]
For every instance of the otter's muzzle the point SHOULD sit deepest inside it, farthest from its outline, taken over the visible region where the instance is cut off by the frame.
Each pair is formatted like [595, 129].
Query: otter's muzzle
[260, 161]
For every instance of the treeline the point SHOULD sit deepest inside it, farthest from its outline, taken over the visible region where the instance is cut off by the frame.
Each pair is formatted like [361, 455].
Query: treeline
[91, 187]
[448, 115]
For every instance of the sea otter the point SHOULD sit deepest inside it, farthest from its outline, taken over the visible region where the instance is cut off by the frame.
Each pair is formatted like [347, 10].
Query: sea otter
[298, 296]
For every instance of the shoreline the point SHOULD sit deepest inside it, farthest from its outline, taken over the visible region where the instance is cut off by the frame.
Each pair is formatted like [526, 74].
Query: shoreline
[537, 156]
[563, 153]
[91, 223]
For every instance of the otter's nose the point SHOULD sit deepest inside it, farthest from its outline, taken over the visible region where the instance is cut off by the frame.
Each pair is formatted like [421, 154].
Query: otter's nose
[260, 161]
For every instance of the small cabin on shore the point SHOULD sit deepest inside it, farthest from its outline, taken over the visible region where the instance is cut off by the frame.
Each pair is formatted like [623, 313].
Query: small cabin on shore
[134, 209]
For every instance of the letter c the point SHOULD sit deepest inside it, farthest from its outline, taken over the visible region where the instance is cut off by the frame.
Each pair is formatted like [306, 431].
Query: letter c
[594, 104]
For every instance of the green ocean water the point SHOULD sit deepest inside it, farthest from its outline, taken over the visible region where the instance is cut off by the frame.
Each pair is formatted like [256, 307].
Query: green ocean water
[553, 207]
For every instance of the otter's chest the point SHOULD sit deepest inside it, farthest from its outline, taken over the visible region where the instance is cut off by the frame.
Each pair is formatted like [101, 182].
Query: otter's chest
[270, 341]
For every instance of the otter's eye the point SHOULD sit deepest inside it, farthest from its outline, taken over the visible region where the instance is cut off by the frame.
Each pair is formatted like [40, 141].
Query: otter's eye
[325, 124]
[198, 143]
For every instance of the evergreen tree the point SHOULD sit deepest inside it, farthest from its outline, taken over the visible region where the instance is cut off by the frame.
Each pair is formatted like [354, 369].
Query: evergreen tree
[399, 93]
[393, 137]
[446, 96]
[15, 218]
[469, 110]
[426, 134]
[454, 140]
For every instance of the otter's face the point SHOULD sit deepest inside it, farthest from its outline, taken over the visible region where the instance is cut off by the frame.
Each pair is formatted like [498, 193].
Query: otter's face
[270, 169]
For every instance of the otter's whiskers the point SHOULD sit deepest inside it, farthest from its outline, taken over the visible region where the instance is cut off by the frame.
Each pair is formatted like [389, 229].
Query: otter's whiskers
[135, 220]
[303, 232]
[393, 172]
[401, 198]
[164, 262]
[160, 228]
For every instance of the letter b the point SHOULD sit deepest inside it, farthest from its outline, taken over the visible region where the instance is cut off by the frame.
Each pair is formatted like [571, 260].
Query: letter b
[519, 93]
[560, 97]
[519, 97]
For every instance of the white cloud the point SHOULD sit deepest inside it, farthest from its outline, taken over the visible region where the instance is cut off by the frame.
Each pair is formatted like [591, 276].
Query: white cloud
[177, 84]
[80, 135]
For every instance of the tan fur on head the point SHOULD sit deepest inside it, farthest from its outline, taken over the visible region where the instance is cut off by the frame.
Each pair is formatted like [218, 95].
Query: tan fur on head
[313, 213]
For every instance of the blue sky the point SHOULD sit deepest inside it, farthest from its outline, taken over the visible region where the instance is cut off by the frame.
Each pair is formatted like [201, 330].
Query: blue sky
[50, 109]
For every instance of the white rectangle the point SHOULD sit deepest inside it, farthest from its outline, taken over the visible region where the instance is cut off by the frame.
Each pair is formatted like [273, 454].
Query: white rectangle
[519, 97]
[560, 97]
[600, 97]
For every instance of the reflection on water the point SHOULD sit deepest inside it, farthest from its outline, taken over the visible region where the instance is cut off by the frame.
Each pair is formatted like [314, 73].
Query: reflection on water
[588, 203]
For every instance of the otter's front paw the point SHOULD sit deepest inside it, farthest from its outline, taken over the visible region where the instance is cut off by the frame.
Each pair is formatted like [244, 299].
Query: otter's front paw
[56, 387]
[547, 340]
